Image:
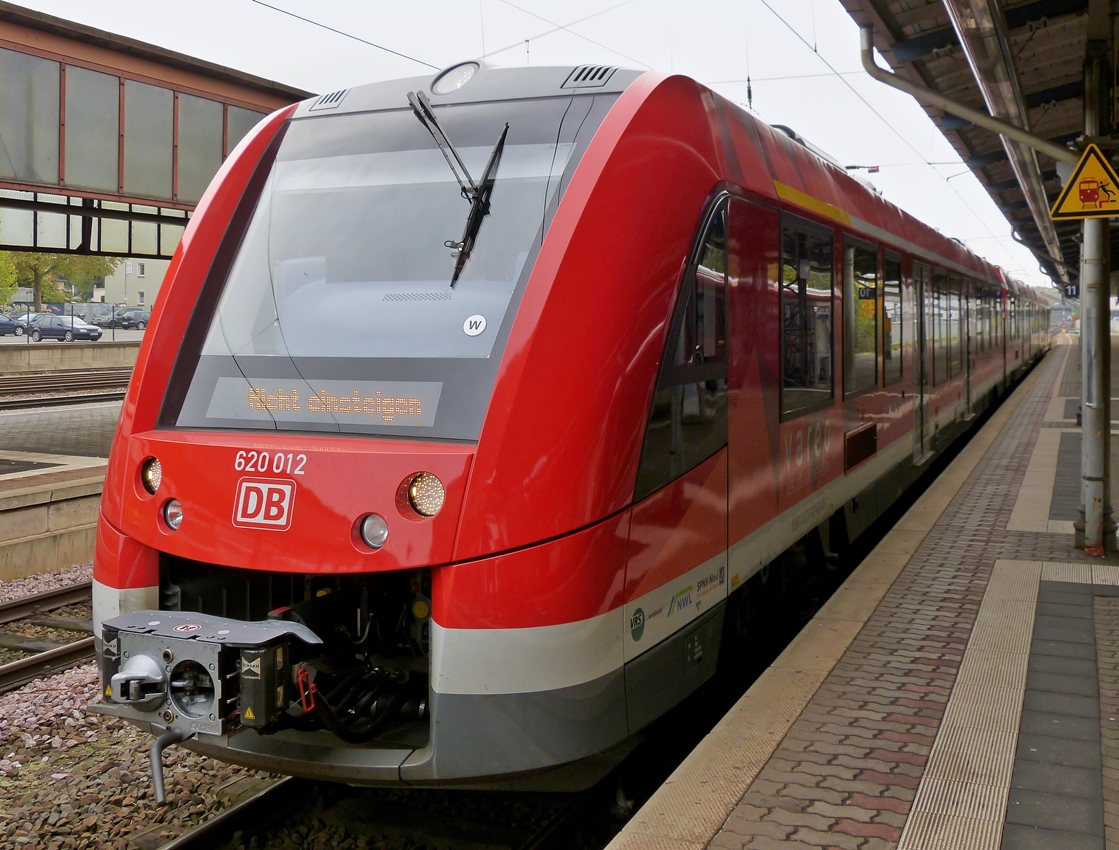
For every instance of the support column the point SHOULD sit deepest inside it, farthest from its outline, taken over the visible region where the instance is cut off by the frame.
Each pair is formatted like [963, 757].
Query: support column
[1098, 535]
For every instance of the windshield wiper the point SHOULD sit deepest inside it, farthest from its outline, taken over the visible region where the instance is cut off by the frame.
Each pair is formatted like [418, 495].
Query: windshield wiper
[477, 193]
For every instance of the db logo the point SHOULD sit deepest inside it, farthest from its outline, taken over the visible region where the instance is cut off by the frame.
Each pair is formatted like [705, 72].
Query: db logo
[264, 503]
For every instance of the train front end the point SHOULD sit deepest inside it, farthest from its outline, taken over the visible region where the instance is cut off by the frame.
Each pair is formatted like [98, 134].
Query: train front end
[298, 442]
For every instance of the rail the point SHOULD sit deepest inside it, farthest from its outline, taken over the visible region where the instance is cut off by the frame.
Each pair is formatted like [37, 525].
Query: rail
[54, 659]
[51, 389]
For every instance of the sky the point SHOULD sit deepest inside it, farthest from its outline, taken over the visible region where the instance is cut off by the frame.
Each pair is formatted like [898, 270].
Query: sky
[801, 56]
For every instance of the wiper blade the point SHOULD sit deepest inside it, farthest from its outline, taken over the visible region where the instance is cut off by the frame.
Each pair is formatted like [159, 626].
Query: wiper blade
[477, 193]
[479, 209]
[422, 107]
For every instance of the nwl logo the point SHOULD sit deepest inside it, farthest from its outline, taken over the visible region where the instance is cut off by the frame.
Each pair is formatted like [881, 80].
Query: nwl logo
[264, 503]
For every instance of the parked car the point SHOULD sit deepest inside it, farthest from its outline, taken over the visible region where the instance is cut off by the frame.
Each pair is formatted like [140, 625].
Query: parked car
[9, 325]
[130, 318]
[65, 328]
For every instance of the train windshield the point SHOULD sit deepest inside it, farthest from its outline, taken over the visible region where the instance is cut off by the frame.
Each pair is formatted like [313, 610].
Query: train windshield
[338, 312]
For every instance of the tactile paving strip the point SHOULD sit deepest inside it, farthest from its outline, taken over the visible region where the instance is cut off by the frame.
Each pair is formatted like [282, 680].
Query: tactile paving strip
[974, 747]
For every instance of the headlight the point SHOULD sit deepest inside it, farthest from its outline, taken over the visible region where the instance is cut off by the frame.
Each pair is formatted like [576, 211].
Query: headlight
[151, 473]
[173, 514]
[426, 494]
[374, 531]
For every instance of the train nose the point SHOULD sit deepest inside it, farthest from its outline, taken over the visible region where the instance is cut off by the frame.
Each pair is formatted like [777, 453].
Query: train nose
[322, 505]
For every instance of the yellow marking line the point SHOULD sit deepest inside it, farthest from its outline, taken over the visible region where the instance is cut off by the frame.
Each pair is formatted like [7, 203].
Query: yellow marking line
[803, 199]
[689, 809]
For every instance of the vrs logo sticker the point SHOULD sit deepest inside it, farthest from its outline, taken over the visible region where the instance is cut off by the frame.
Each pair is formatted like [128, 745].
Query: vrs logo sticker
[264, 503]
[637, 624]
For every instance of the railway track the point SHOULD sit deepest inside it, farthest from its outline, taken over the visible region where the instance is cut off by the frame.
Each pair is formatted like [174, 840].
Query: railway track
[401, 824]
[61, 388]
[44, 657]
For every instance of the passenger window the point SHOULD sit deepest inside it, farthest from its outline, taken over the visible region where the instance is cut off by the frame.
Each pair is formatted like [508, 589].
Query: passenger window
[688, 419]
[891, 320]
[806, 317]
[860, 314]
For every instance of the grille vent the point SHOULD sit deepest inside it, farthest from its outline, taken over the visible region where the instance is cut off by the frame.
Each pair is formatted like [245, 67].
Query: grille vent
[589, 77]
[328, 101]
[417, 296]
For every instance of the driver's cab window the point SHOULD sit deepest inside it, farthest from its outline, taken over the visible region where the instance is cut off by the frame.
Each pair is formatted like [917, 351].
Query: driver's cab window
[688, 419]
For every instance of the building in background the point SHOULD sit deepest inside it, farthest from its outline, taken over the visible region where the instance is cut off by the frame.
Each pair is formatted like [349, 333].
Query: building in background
[134, 283]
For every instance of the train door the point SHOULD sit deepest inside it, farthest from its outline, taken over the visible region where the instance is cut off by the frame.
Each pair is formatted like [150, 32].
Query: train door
[676, 564]
[969, 323]
[922, 435]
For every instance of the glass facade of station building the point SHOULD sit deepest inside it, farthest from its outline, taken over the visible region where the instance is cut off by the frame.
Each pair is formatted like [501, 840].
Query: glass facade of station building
[141, 153]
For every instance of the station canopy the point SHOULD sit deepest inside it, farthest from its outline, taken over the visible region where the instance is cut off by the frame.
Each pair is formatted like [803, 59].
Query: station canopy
[106, 143]
[1029, 70]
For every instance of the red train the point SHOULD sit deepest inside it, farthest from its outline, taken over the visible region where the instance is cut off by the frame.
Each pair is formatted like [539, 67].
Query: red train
[391, 504]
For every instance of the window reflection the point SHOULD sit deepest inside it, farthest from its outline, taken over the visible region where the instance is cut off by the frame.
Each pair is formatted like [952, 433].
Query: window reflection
[806, 316]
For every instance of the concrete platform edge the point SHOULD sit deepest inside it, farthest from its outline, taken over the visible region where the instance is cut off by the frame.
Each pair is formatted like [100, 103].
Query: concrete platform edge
[693, 804]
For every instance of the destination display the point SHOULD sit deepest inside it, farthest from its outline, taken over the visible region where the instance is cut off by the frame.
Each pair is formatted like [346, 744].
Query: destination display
[393, 403]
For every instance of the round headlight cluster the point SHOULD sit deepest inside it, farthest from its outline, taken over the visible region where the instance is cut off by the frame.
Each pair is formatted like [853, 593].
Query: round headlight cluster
[454, 78]
[173, 514]
[426, 494]
[151, 474]
[374, 531]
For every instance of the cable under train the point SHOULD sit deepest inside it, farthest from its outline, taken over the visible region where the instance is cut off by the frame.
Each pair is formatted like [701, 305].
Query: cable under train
[478, 414]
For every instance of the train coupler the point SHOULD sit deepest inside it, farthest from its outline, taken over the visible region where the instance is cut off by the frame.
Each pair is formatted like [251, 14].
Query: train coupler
[197, 674]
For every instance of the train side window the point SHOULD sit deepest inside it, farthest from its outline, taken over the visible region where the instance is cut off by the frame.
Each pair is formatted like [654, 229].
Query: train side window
[891, 319]
[940, 327]
[860, 317]
[806, 317]
[688, 418]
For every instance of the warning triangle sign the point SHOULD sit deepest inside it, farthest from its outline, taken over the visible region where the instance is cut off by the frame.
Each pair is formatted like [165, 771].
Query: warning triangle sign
[1091, 192]
[249, 714]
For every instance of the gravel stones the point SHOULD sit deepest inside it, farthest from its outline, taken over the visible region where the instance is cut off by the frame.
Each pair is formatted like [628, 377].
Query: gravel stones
[11, 590]
[73, 779]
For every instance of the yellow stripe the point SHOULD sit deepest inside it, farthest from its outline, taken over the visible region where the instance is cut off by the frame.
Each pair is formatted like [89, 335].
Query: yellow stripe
[788, 193]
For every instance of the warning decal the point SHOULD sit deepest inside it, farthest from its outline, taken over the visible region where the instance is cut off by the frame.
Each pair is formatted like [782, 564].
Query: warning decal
[249, 715]
[1091, 192]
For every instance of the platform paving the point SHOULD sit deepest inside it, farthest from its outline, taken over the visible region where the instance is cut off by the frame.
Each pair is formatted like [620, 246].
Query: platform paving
[966, 710]
[85, 430]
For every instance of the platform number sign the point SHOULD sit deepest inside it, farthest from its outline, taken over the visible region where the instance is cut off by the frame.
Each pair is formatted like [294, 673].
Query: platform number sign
[1072, 290]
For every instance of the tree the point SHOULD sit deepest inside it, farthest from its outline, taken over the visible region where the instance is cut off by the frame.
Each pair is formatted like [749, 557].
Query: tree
[42, 271]
[7, 278]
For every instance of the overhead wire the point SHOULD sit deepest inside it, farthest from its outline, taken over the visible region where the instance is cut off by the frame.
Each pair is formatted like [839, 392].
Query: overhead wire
[558, 28]
[344, 34]
[570, 31]
[881, 117]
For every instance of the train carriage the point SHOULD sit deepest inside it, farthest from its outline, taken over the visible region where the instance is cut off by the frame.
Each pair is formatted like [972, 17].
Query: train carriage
[387, 504]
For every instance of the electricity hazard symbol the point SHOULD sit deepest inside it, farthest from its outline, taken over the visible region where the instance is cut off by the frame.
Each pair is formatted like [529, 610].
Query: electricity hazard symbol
[249, 714]
[1091, 192]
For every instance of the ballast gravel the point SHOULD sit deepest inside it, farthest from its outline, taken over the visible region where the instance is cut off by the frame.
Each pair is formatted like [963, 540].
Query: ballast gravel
[73, 779]
[12, 590]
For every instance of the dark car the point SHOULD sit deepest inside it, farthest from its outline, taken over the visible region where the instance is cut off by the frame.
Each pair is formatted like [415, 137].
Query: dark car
[130, 318]
[66, 328]
[8, 325]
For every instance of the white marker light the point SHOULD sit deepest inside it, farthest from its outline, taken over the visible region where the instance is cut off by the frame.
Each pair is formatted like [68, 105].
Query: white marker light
[173, 514]
[374, 531]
